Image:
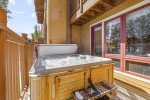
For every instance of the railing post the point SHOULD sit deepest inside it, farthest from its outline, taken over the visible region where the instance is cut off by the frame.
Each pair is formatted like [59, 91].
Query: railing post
[81, 5]
[3, 17]
[3, 23]
[69, 34]
[25, 37]
[3, 95]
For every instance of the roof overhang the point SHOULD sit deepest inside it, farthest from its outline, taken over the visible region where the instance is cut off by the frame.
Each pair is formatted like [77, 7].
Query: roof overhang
[39, 9]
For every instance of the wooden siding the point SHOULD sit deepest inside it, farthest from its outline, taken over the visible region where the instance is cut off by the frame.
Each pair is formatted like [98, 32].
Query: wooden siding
[66, 84]
[57, 21]
[76, 36]
[42, 88]
[102, 74]
[124, 91]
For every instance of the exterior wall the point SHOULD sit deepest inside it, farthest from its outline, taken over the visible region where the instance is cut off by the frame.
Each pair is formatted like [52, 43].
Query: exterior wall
[76, 35]
[3, 17]
[127, 6]
[86, 27]
[56, 21]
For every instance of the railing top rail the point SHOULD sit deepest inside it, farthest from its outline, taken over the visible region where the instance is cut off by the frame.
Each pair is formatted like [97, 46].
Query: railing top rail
[9, 31]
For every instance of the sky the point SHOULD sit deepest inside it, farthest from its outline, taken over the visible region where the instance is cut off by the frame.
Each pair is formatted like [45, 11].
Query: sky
[23, 16]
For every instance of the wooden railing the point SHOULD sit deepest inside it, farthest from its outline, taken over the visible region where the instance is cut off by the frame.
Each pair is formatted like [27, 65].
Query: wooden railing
[76, 5]
[16, 58]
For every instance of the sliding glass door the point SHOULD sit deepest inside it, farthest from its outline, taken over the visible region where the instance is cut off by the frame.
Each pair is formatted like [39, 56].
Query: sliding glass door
[96, 40]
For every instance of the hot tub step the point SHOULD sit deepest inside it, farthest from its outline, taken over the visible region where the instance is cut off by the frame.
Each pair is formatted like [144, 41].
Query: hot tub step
[95, 91]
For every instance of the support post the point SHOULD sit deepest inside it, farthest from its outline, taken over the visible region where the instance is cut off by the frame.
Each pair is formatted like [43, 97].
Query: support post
[69, 34]
[3, 17]
[3, 59]
[48, 21]
[25, 37]
[3, 23]
[81, 5]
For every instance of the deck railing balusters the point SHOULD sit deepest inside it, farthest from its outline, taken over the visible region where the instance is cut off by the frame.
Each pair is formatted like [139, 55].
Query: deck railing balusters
[16, 58]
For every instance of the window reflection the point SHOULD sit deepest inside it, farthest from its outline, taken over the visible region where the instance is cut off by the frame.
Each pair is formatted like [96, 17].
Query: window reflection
[117, 63]
[113, 36]
[98, 41]
[138, 33]
[138, 67]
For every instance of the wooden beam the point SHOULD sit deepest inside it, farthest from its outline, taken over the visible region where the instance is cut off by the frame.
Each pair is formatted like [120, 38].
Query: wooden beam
[86, 7]
[78, 23]
[106, 3]
[96, 8]
[99, 8]
[39, 8]
[82, 20]
[90, 13]
[85, 16]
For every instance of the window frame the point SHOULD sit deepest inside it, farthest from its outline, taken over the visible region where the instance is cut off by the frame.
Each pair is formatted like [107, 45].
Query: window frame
[122, 56]
[92, 37]
[137, 74]
[105, 36]
[143, 59]
[108, 55]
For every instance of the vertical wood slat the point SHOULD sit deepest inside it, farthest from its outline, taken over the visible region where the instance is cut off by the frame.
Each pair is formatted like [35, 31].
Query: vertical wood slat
[14, 64]
[2, 64]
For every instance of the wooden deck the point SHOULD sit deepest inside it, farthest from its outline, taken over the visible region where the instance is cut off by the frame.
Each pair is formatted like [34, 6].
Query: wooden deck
[128, 92]
[124, 92]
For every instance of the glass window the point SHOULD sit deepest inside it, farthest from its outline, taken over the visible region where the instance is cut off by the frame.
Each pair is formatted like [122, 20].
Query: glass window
[136, 67]
[117, 63]
[98, 41]
[113, 36]
[138, 33]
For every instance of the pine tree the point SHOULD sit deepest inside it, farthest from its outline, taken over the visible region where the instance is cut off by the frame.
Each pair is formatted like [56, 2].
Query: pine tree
[3, 4]
[37, 33]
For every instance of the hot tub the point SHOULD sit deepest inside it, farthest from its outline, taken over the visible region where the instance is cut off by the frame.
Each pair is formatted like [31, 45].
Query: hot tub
[56, 75]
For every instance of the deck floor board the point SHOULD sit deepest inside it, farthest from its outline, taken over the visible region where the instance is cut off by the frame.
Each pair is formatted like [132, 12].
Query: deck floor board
[124, 92]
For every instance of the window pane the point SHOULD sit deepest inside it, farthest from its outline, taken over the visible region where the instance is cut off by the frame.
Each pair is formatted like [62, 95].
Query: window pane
[138, 33]
[138, 68]
[98, 41]
[117, 63]
[113, 36]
